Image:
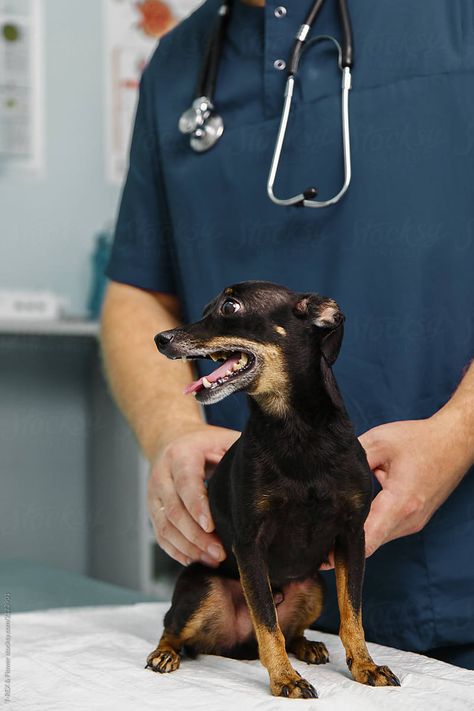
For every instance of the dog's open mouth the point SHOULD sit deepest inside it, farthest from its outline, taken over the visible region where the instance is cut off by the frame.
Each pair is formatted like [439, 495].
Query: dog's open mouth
[234, 365]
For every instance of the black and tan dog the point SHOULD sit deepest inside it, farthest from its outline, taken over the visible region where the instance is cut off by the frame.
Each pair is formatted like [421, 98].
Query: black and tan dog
[295, 485]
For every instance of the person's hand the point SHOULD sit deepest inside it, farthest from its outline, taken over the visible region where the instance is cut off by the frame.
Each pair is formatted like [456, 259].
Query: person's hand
[418, 463]
[177, 497]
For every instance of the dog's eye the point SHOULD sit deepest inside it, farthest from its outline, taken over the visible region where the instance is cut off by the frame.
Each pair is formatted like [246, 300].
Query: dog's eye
[229, 307]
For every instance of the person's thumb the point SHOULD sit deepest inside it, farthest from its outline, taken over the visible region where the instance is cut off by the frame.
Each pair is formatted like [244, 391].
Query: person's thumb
[377, 455]
[219, 441]
[380, 522]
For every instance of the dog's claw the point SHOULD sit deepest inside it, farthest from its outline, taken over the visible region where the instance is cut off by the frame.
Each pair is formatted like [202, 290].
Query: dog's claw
[296, 688]
[395, 681]
[307, 690]
[374, 675]
[310, 652]
[163, 661]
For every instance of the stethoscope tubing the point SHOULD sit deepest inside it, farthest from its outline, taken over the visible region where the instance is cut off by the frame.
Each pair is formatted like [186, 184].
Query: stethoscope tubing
[206, 85]
[206, 127]
[306, 198]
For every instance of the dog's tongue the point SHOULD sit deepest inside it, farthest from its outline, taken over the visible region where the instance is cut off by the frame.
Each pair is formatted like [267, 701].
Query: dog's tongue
[215, 375]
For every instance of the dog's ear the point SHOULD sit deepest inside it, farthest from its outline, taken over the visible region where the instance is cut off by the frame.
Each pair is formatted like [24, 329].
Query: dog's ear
[326, 315]
[328, 320]
[331, 343]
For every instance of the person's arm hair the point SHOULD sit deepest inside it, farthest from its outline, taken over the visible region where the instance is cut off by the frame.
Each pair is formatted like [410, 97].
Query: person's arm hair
[146, 385]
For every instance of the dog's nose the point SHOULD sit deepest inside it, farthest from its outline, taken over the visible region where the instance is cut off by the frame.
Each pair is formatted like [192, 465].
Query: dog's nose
[163, 339]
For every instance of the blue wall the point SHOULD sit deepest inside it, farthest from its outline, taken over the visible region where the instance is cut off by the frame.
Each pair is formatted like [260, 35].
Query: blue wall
[47, 224]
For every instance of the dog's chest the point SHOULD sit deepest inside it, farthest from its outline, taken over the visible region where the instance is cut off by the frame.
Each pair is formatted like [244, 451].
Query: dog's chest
[299, 533]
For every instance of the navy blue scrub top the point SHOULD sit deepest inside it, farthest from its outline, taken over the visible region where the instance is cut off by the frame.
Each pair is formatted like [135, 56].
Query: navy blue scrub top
[396, 253]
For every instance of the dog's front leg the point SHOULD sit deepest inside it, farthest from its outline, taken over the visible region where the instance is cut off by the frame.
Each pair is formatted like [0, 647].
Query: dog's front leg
[284, 680]
[349, 559]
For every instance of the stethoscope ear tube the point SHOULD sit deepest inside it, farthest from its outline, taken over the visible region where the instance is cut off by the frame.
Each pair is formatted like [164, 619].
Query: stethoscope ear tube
[208, 76]
[301, 35]
[347, 41]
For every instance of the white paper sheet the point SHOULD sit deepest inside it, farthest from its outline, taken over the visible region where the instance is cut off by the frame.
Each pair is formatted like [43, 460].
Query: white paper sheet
[84, 659]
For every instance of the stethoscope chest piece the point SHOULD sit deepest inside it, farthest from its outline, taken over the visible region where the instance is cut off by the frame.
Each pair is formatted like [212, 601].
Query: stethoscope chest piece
[204, 125]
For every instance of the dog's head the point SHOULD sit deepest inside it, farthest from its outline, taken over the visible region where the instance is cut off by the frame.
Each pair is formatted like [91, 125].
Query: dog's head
[265, 336]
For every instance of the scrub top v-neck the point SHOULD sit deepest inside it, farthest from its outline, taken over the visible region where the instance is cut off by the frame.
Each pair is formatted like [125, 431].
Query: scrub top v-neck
[397, 252]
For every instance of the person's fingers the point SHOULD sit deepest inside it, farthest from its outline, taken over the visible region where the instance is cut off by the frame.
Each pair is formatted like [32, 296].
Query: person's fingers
[178, 501]
[190, 533]
[192, 466]
[166, 532]
[187, 474]
[170, 538]
[175, 553]
[182, 558]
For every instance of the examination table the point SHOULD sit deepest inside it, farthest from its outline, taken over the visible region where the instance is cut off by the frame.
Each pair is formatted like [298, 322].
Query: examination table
[91, 655]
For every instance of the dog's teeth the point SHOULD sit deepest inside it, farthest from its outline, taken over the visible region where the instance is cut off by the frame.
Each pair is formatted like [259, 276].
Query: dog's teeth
[228, 372]
[244, 359]
[184, 359]
[235, 367]
[214, 356]
[206, 383]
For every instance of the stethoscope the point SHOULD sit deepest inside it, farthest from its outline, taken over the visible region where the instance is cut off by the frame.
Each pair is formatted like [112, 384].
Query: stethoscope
[205, 126]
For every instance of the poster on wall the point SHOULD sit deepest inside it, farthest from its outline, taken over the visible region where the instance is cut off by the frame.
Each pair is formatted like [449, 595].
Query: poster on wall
[20, 87]
[132, 31]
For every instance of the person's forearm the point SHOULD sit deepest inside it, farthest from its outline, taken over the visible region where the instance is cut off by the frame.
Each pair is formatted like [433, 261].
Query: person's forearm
[457, 418]
[147, 387]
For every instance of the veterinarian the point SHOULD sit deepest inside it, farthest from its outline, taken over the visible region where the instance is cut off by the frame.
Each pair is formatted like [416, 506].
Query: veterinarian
[396, 252]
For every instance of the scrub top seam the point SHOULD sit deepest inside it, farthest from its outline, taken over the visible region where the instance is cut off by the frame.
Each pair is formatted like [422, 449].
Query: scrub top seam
[267, 119]
[401, 80]
[169, 235]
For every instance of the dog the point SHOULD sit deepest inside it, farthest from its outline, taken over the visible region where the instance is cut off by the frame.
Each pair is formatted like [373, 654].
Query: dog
[293, 487]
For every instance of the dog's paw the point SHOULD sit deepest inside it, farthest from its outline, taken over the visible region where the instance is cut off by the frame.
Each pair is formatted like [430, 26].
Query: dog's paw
[163, 660]
[293, 688]
[310, 652]
[373, 675]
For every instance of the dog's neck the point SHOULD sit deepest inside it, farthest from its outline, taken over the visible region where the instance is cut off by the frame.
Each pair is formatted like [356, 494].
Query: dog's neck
[298, 442]
[313, 398]
[308, 406]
